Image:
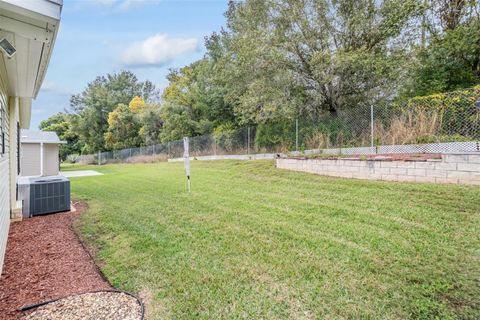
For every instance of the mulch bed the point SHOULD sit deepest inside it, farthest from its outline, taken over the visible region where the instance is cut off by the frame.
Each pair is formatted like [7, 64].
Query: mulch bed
[45, 260]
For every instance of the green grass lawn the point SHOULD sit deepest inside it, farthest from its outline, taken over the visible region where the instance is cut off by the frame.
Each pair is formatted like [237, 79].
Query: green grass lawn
[252, 241]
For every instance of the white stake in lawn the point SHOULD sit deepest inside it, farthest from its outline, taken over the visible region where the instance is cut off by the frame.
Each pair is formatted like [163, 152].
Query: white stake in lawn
[186, 157]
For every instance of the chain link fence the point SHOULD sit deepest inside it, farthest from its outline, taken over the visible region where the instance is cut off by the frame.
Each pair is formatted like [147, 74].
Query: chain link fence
[435, 124]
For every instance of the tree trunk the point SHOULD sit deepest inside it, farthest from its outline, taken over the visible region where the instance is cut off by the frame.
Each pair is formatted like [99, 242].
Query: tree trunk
[332, 108]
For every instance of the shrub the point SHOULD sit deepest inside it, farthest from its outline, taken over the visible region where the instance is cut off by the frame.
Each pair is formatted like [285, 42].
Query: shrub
[457, 111]
[279, 136]
[147, 158]
[72, 158]
[228, 140]
[410, 127]
[444, 117]
[86, 159]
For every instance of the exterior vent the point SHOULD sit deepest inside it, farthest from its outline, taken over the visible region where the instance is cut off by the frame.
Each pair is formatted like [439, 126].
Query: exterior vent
[44, 195]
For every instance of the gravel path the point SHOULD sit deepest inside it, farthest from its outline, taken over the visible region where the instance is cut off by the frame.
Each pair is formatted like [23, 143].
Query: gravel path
[94, 306]
[45, 260]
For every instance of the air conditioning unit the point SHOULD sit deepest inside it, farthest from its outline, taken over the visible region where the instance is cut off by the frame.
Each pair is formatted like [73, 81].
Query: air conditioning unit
[42, 195]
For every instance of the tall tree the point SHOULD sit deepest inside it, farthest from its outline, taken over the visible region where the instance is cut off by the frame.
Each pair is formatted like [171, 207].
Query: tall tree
[451, 58]
[123, 129]
[289, 57]
[101, 97]
[447, 15]
[152, 124]
[138, 124]
[193, 103]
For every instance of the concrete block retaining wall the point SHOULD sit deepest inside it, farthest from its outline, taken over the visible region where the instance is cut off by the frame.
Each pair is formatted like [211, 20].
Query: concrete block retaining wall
[463, 168]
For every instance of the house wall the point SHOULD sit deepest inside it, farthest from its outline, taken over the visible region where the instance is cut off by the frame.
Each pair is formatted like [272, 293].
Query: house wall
[452, 168]
[50, 159]
[4, 168]
[30, 159]
[14, 148]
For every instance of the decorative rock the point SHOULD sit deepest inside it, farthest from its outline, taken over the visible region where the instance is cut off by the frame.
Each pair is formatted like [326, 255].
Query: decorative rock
[96, 305]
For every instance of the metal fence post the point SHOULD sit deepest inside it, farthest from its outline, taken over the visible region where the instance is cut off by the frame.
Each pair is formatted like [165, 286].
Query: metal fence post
[99, 158]
[371, 126]
[296, 135]
[215, 145]
[248, 140]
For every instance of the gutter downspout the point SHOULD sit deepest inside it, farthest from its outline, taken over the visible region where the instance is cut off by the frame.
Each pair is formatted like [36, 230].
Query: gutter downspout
[41, 159]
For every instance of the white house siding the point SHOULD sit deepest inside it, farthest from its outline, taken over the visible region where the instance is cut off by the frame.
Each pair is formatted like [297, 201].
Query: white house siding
[30, 159]
[14, 127]
[50, 159]
[4, 170]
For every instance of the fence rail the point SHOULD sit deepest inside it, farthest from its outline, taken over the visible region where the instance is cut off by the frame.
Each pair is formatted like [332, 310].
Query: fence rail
[451, 124]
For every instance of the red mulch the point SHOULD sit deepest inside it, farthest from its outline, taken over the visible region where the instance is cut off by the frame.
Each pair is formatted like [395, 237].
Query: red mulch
[405, 156]
[45, 260]
[381, 157]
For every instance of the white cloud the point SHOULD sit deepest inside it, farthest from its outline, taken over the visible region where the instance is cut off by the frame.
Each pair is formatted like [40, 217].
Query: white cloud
[49, 86]
[53, 87]
[157, 50]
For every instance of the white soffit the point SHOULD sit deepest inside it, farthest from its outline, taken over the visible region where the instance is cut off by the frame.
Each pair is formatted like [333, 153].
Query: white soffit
[33, 34]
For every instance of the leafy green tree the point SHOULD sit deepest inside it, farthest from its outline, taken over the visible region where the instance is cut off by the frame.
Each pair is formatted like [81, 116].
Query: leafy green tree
[444, 15]
[192, 103]
[290, 57]
[451, 58]
[134, 125]
[152, 124]
[101, 97]
[123, 129]
[61, 123]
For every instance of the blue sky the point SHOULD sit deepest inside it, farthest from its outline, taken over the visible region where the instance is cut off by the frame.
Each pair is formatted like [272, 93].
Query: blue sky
[147, 37]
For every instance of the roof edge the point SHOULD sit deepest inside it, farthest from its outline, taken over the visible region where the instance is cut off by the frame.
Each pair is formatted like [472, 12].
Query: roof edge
[44, 142]
[49, 9]
[45, 61]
